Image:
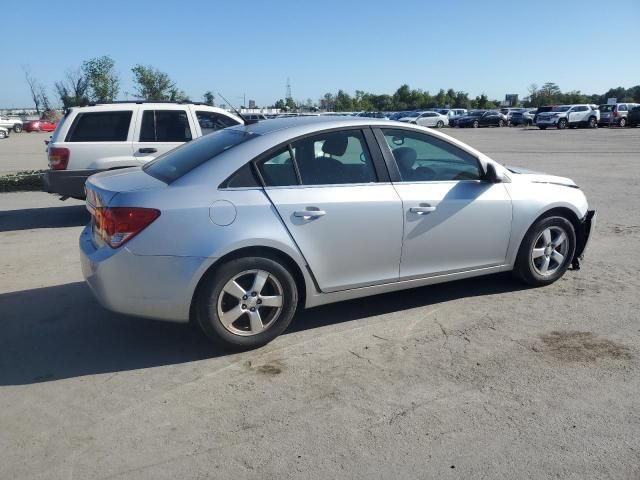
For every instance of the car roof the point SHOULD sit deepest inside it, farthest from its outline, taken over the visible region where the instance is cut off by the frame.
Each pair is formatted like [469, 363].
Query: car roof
[302, 125]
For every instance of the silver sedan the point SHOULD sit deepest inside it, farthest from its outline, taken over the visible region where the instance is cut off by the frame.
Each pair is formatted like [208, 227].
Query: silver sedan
[239, 228]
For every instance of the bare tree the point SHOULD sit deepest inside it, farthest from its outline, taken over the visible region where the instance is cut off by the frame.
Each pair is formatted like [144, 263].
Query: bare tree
[36, 89]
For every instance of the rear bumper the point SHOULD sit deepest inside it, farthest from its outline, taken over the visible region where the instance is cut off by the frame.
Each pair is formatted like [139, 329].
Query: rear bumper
[68, 183]
[151, 286]
[587, 226]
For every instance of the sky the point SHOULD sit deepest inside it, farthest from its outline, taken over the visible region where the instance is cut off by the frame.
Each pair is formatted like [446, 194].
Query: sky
[250, 48]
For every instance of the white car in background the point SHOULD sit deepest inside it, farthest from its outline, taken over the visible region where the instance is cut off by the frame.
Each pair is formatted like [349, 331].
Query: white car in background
[426, 119]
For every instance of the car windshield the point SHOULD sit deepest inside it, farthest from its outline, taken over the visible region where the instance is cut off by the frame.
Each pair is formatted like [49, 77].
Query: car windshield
[563, 108]
[180, 161]
[476, 114]
[606, 108]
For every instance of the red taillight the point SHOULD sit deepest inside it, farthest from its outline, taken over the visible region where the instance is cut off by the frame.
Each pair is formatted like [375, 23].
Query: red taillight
[58, 158]
[118, 225]
[615, 114]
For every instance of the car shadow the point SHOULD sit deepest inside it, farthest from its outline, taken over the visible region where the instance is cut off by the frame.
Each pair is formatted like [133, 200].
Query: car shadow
[60, 332]
[53, 217]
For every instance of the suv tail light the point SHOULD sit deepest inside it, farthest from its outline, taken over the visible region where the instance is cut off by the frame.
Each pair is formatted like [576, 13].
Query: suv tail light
[117, 225]
[615, 113]
[58, 158]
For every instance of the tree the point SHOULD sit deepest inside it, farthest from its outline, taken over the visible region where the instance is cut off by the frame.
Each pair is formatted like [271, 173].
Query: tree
[328, 102]
[209, 98]
[280, 105]
[152, 84]
[72, 90]
[35, 88]
[290, 104]
[102, 80]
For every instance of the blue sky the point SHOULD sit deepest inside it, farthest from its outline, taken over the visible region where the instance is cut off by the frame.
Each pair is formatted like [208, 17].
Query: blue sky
[495, 47]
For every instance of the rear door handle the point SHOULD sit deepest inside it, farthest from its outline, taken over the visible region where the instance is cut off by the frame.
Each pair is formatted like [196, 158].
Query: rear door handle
[148, 150]
[422, 209]
[309, 213]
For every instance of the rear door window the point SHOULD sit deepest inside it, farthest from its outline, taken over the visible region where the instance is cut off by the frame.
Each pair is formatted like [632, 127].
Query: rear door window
[100, 127]
[165, 126]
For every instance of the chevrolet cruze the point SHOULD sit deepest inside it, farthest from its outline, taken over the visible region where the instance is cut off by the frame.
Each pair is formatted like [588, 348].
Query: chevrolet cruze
[239, 228]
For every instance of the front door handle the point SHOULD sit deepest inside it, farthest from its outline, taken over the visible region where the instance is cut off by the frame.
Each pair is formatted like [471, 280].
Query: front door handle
[309, 213]
[148, 150]
[422, 209]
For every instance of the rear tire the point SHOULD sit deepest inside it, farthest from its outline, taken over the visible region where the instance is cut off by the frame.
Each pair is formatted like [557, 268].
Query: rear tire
[440, 124]
[2, 134]
[246, 302]
[476, 124]
[542, 128]
[593, 122]
[546, 251]
[623, 122]
[501, 123]
[17, 128]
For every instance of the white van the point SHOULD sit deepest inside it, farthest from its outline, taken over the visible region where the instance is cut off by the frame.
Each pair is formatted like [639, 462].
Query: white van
[102, 137]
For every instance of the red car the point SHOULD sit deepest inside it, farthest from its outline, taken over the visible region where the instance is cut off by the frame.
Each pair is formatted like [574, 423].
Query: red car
[39, 126]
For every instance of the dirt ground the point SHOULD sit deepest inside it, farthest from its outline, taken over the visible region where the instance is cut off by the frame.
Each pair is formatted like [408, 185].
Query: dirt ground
[480, 378]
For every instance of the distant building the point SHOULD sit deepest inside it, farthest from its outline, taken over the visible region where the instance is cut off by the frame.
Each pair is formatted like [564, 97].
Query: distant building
[252, 104]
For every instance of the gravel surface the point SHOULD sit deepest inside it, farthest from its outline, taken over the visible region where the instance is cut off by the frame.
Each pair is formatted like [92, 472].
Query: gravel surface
[23, 151]
[480, 378]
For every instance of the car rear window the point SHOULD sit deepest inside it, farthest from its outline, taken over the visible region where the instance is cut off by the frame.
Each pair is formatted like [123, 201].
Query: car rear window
[100, 127]
[606, 108]
[180, 161]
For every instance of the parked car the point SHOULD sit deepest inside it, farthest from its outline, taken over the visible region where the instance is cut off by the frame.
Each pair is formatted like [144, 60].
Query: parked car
[11, 123]
[119, 135]
[564, 116]
[426, 119]
[482, 118]
[542, 109]
[615, 114]
[633, 119]
[4, 132]
[263, 239]
[529, 116]
[39, 126]
[254, 116]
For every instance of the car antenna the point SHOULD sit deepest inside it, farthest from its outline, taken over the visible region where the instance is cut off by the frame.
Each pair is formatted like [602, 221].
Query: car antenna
[246, 122]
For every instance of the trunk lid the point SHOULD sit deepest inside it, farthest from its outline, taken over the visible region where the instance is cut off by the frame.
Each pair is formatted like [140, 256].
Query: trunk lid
[103, 187]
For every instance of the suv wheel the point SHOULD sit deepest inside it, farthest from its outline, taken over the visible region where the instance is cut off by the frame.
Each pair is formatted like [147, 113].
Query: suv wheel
[17, 128]
[593, 123]
[546, 251]
[501, 123]
[562, 124]
[476, 124]
[623, 122]
[3, 134]
[247, 302]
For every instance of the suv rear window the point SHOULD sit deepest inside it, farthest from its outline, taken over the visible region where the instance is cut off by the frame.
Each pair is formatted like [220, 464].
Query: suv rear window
[100, 127]
[180, 161]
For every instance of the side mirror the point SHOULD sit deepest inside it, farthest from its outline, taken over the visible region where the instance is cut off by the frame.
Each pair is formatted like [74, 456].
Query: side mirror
[492, 175]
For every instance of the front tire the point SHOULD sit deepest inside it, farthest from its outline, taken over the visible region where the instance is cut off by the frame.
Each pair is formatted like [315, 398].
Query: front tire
[440, 124]
[501, 123]
[476, 124]
[546, 251]
[17, 128]
[562, 124]
[593, 123]
[2, 134]
[247, 302]
[623, 122]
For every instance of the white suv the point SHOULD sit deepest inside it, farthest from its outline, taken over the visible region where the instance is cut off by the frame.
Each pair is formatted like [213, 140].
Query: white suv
[102, 137]
[564, 116]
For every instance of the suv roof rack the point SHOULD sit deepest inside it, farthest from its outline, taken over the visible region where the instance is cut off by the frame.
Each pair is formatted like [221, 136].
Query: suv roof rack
[138, 102]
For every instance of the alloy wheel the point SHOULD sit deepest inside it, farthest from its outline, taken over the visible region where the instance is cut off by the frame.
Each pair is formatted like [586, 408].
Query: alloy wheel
[550, 250]
[250, 302]
[623, 122]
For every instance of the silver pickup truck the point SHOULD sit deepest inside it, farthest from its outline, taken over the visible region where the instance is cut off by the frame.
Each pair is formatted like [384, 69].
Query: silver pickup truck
[11, 123]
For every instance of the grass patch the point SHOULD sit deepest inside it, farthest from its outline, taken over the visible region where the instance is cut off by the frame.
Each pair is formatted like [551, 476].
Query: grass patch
[27, 180]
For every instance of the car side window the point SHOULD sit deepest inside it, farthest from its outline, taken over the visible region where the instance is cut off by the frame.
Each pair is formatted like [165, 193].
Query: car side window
[622, 108]
[278, 169]
[423, 158]
[100, 127]
[165, 126]
[212, 121]
[334, 158]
